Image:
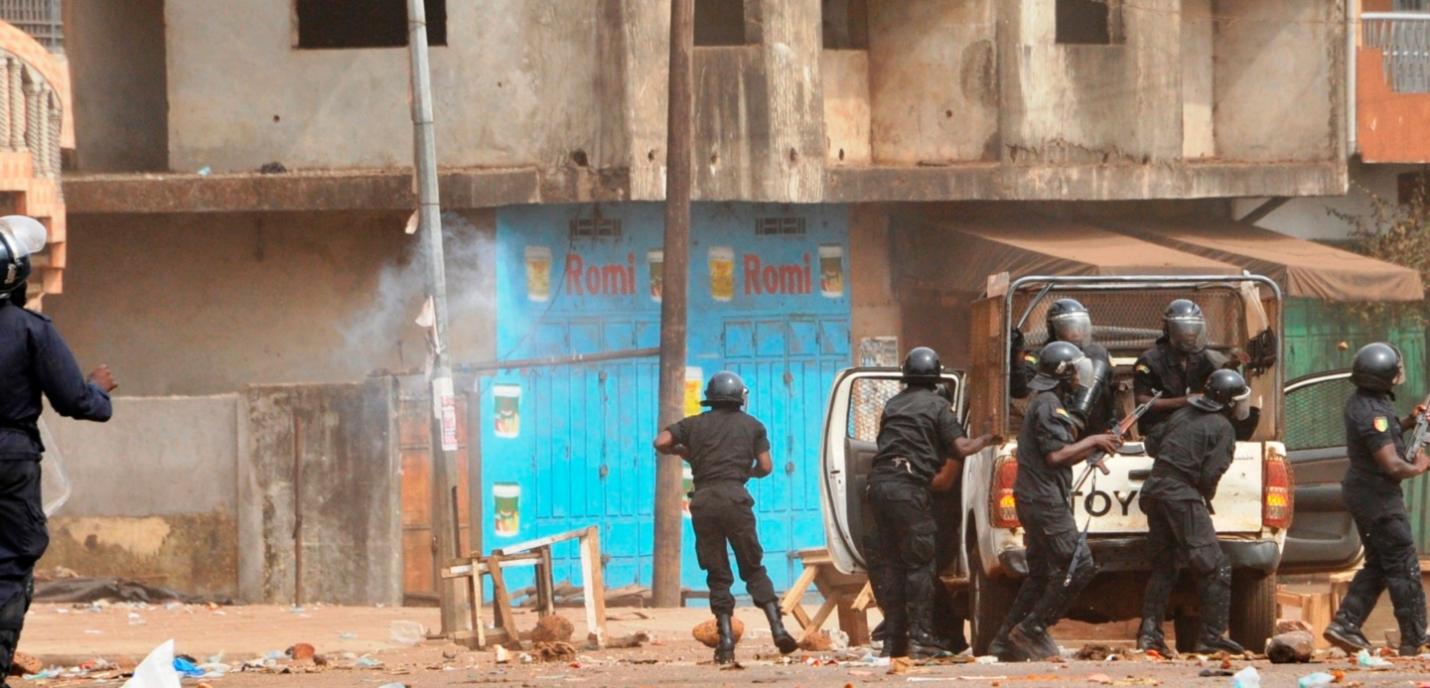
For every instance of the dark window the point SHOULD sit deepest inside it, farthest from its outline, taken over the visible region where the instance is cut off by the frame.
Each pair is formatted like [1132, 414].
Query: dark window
[587, 227]
[779, 225]
[845, 24]
[364, 23]
[1089, 22]
[1410, 186]
[720, 22]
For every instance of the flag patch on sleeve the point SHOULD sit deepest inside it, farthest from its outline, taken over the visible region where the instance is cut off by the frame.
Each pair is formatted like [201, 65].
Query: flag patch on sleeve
[1381, 424]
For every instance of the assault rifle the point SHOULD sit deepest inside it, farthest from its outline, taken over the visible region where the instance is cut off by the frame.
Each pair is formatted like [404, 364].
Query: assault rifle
[1418, 439]
[1096, 460]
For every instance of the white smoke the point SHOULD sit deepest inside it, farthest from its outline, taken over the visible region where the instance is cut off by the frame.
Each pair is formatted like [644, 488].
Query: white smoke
[386, 336]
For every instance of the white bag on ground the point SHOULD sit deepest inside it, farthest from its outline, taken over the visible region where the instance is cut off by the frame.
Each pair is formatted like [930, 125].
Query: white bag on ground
[157, 670]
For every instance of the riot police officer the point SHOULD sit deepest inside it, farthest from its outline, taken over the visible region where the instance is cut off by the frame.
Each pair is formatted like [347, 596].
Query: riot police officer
[1192, 450]
[1178, 365]
[726, 447]
[1069, 321]
[34, 361]
[1378, 462]
[1059, 561]
[920, 447]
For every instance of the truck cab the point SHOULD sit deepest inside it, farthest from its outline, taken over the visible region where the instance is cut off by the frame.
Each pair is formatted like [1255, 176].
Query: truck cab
[1253, 508]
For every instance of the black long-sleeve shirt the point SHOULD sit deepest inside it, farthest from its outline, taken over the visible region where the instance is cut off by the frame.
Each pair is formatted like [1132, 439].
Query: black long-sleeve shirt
[1193, 449]
[34, 360]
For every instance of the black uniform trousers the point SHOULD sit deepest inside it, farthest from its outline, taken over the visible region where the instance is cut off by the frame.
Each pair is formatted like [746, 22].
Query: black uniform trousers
[1054, 547]
[900, 550]
[1391, 563]
[723, 514]
[1180, 533]
[23, 539]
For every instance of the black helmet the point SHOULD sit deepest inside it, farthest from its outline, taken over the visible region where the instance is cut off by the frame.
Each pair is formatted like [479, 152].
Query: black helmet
[1184, 326]
[1057, 363]
[1069, 321]
[14, 265]
[921, 365]
[1224, 388]
[1378, 367]
[725, 387]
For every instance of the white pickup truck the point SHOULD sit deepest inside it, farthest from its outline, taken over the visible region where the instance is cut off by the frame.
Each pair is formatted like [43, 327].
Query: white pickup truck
[1253, 507]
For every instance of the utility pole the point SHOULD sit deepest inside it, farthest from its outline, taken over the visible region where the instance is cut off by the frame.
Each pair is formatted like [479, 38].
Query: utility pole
[444, 407]
[675, 275]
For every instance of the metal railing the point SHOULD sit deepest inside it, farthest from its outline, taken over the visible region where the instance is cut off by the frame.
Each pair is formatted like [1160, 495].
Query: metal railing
[1403, 39]
[30, 115]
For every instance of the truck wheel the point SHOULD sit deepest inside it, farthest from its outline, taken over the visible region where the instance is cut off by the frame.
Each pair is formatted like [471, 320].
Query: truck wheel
[1253, 608]
[988, 603]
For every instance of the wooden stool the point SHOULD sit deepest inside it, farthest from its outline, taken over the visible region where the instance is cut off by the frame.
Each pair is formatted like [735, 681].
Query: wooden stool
[535, 553]
[849, 594]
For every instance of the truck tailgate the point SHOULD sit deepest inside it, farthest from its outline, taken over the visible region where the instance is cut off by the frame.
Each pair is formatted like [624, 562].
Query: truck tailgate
[1112, 500]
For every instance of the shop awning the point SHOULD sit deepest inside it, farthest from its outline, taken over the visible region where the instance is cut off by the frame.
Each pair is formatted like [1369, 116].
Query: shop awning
[1302, 268]
[959, 254]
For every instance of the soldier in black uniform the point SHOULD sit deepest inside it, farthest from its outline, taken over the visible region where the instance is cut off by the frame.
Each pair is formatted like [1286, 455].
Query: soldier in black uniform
[1193, 449]
[34, 361]
[1178, 365]
[1376, 447]
[921, 445]
[725, 447]
[1069, 321]
[1059, 562]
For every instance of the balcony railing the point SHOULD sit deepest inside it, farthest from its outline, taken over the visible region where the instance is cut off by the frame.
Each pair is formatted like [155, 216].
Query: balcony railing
[1403, 39]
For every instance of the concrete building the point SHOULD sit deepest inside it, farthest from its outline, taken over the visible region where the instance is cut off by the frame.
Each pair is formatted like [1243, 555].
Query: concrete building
[241, 179]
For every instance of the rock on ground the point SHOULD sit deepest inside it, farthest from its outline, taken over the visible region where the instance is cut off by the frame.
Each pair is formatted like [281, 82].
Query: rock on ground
[707, 634]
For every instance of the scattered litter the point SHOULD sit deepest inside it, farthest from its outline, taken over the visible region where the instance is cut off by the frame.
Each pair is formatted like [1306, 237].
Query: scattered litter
[839, 640]
[987, 659]
[503, 656]
[526, 658]
[393, 685]
[552, 629]
[1320, 679]
[205, 171]
[1246, 678]
[407, 633]
[301, 652]
[818, 641]
[552, 652]
[367, 662]
[633, 640]
[939, 679]
[1365, 661]
[1212, 673]
[345, 635]
[186, 667]
[157, 670]
[22, 664]
[900, 665]
[136, 620]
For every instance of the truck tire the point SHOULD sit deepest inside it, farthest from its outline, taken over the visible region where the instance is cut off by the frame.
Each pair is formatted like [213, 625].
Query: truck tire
[1253, 608]
[988, 602]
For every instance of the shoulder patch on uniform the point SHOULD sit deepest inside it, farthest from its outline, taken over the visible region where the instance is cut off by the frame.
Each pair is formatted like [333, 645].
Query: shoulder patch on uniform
[1381, 424]
[1030, 358]
[1062, 412]
[1143, 368]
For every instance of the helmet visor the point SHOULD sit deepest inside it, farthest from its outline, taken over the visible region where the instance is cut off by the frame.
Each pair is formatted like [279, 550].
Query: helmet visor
[1188, 335]
[1073, 328]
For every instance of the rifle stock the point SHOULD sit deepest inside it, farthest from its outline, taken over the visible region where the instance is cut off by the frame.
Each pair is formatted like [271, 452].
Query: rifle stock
[1121, 429]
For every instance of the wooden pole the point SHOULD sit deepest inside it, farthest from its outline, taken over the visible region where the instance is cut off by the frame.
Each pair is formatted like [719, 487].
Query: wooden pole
[675, 273]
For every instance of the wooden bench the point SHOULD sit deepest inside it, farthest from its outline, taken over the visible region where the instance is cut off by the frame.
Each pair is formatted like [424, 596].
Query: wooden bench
[848, 594]
[537, 554]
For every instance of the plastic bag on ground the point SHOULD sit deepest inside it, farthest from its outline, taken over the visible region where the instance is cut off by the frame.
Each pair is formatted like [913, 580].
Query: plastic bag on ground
[1366, 661]
[1320, 679]
[407, 632]
[157, 670]
[1246, 678]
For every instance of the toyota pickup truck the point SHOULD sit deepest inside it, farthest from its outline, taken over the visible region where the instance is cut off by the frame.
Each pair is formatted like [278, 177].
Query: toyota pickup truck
[1254, 506]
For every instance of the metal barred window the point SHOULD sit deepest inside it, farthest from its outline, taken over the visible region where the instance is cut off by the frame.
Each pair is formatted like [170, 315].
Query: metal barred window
[1403, 39]
[1313, 415]
[866, 408]
[39, 18]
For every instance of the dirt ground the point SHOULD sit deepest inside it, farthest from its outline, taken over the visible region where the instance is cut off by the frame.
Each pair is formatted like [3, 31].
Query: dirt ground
[66, 636]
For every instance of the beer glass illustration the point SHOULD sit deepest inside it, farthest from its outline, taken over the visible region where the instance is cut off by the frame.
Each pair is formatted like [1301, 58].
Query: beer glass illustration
[506, 402]
[507, 499]
[722, 273]
[538, 273]
[831, 270]
[656, 260]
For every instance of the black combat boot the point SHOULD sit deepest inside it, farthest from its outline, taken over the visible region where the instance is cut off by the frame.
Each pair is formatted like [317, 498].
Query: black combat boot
[1346, 637]
[783, 640]
[1032, 643]
[1150, 637]
[923, 644]
[1215, 593]
[725, 649]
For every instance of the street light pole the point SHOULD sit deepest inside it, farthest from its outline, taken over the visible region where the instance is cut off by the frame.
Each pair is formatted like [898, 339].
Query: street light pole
[444, 408]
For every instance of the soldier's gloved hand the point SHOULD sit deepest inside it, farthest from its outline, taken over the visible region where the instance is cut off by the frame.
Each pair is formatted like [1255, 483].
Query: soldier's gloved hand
[1015, 340]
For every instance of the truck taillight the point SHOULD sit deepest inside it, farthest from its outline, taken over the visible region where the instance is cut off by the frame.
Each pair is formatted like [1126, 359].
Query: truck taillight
[1277, 489]
[1003, 507]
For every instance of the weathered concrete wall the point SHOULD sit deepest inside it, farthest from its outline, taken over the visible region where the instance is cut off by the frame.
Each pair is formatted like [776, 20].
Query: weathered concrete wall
[874, 309]
[933, 81]
[317, 482]
[1091, 103]
[1278, 79]
[845, 75]
[520, 82]
[1198, 140]
[116, 54]
[203, 304]
[119, 522]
